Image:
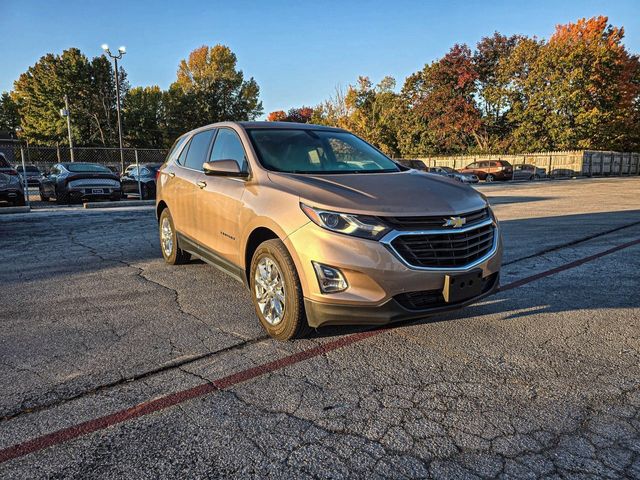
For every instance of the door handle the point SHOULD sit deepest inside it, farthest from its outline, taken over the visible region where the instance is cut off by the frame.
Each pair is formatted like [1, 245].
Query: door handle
[172, 174]
[202, 184]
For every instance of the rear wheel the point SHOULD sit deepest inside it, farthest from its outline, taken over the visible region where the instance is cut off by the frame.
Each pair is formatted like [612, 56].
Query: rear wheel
[62, 198]
[276, 292]
[43, 196]
[171, 250]
[536, 177]
[147, 192]
[19, 201]
[489, 178]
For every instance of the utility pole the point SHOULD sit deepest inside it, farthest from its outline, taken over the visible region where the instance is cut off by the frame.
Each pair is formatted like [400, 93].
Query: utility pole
[65, 113]
[121, 52]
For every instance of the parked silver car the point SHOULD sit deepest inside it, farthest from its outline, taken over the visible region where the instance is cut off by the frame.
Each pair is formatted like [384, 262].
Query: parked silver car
[451, 173]
[526, 171]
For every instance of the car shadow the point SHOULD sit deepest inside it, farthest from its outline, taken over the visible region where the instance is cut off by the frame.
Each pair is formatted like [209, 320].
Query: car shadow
[508, 199]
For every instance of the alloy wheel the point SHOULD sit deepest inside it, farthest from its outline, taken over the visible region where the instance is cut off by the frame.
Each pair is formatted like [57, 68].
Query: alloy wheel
[166, 237]
[269, 290]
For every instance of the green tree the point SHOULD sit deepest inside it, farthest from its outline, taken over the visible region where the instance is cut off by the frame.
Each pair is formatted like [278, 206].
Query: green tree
[491, 62]
[372, 112]
[39, 94]
[211, 89]
[144, 117]
[9, 116]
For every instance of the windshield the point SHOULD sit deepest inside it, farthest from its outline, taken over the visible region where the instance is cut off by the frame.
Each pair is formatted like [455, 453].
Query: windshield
[87, 167]
[317, 151]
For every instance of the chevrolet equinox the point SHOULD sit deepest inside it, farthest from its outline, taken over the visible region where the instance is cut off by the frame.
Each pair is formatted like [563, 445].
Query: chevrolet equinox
[323, 228]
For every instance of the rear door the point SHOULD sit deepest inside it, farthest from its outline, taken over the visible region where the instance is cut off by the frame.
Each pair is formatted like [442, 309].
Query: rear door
[219, 200]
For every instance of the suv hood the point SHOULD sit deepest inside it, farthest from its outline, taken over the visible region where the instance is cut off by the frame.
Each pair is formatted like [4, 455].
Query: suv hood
[398, 194]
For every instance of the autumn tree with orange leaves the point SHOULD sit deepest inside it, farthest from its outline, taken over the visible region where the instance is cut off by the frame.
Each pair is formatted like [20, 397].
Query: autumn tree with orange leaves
[583, 91]
[580, 89]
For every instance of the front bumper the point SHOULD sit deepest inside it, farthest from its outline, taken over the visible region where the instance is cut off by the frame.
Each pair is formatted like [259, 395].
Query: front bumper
[11, 194]
[393, 310]
[376, 278]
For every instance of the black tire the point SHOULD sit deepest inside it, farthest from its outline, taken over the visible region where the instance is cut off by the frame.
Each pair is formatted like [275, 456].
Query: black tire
[19, 201]
[294, 321]
[177, 256]
[43, 197]
[536, 177]
[148, 191]
[489, 178]
[62, 198]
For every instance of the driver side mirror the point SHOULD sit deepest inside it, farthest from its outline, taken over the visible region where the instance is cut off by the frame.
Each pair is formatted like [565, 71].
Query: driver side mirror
[223, 168]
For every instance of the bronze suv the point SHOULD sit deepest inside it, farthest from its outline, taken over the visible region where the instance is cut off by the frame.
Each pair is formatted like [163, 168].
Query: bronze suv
[323, 228]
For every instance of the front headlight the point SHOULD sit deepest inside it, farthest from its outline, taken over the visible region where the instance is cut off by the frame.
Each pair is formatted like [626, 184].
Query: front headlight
[362, 226]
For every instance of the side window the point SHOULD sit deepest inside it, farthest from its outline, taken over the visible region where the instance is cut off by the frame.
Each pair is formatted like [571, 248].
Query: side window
[493, 164]
[198, 149]
[144, 172]
[228, 147]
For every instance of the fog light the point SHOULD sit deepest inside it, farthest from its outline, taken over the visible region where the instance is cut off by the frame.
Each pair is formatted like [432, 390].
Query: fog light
[330, 279]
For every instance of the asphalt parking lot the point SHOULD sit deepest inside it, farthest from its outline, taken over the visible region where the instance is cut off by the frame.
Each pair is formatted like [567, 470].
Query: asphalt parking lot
[115, 365]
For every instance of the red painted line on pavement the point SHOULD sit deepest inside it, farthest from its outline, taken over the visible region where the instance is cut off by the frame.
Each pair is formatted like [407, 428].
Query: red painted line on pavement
[145, 408]
[567, 266]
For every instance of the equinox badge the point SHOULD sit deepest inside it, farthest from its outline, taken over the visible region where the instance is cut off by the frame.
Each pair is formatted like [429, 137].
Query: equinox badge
[455, 222]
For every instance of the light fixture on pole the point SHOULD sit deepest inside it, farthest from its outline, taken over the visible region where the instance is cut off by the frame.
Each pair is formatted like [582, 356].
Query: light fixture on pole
[121, 52]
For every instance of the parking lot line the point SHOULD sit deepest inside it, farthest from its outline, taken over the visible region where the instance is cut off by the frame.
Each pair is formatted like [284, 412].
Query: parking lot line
[145, 408]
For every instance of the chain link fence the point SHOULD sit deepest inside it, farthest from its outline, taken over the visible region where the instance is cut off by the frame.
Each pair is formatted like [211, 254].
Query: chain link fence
[45, 157]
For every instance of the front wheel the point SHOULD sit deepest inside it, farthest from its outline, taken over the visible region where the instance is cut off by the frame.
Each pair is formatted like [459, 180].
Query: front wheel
[489, 178]
[171, 250]
[276, 292]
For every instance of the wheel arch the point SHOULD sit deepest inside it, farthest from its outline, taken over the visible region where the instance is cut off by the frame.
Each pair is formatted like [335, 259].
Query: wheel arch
[255, 238]
[159, 208]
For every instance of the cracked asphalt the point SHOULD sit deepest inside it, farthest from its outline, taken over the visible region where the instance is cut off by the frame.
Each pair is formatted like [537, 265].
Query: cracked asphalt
[538, 381]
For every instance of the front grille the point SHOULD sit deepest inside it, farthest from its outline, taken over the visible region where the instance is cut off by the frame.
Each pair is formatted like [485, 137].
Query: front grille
[445, 250]
[93, 182]
[434, 222]
[426, 299]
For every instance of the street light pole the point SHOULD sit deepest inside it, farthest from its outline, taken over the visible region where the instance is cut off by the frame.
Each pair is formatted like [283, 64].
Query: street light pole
[65, 113]
[121, 52]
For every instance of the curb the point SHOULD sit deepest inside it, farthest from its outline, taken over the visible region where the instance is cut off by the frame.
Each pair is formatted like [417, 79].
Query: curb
[15, 210]
[123, 203]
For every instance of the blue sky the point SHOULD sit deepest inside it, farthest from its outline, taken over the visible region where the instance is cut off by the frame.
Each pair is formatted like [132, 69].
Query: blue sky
[297, 51]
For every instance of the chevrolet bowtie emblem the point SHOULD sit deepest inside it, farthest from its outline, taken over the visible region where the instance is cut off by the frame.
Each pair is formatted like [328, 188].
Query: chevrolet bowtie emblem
[455, 222]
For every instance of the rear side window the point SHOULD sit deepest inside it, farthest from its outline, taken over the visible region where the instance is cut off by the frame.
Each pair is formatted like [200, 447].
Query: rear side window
[228, 147]
[197, 150]
[176, 148]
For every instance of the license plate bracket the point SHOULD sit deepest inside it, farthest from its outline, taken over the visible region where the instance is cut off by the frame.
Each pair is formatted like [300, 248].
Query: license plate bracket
[97, 191]
[462, 286]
